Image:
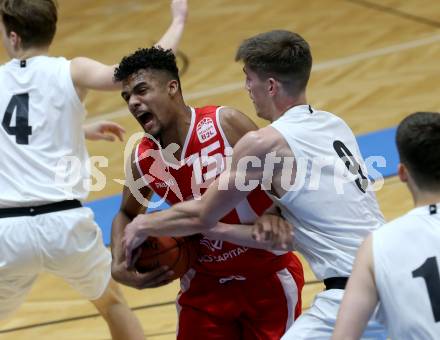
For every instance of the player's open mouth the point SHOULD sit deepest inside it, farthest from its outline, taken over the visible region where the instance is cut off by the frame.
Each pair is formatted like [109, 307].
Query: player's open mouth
[145, 118]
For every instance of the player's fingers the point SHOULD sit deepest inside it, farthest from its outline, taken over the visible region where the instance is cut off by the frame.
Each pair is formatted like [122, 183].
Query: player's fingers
[129, 256]
[136, 255]
[277, 233]
[107, 137]
[257, 232]
[108, 125]
[115, 129]
[152, 274]
[268, 231]
[287, 237]
[118, 132]
[157, 277]
[157, 284]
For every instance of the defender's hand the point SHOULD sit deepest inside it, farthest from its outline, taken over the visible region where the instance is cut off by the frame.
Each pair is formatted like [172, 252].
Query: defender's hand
[104, 130]
[275, 230]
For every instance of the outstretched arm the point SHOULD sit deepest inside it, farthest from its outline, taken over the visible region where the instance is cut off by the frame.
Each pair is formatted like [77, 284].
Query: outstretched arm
[360, 297]
[89, 74]
[171, 38]
[269, 232]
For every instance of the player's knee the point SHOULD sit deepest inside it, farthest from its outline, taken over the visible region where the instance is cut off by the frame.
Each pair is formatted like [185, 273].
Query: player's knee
[110, 299]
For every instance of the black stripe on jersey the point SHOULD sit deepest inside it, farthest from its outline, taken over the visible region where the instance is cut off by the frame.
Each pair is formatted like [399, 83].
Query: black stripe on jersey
[433, 209]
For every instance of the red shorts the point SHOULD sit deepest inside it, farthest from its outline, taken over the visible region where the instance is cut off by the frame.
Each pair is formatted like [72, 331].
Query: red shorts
[238, 307]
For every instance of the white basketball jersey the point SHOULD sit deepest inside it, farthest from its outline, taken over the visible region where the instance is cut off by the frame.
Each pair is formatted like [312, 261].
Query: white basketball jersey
[406, 256]
[331, 209]
[43, 154]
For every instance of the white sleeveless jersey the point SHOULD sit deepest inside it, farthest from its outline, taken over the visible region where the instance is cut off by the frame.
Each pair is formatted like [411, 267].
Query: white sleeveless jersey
[43, 154]
[332, 210]
[406, 256]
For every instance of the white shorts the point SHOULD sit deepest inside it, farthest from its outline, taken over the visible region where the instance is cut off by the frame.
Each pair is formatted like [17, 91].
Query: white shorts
[318, 322]
[66, 243]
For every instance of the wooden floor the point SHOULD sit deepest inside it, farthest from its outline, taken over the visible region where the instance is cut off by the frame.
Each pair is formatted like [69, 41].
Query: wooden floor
[374, 62]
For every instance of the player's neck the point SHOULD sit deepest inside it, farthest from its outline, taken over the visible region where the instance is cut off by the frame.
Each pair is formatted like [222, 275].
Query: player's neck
[425, 198]
[177, 132]
[30, 52]
[286, 103]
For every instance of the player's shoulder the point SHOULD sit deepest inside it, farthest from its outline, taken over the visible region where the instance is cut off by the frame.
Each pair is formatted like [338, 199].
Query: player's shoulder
[333, 119]
[147, 142]
[234, 123]
[233, 117]
[259, 142]
[225, 113]
[400, 225]
[52, 60]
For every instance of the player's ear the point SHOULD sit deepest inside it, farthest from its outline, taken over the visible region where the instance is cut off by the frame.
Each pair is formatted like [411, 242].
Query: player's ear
[14, 40]
[272, 86]
[173, 87]
[402, 172]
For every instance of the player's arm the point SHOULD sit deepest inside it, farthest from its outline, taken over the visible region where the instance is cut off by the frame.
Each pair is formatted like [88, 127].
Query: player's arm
[270, 231]
[235, 124]
[89, 74]
[171, 38]
[278, 233]
[198, 216]
[360, 297]
[131, 206]
[247, 164]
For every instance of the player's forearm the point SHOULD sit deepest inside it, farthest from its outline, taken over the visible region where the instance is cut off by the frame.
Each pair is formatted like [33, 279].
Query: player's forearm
[180, 220]
[356, 309]
[118, 226]
[239, 234]
[171, 38]
[352, 320]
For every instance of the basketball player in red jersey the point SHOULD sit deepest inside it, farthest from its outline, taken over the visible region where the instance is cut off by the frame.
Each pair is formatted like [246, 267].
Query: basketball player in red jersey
[233, 292]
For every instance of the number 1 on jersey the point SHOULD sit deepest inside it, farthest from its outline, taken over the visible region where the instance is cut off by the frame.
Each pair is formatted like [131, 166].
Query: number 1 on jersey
[21, 130]
[429, 272]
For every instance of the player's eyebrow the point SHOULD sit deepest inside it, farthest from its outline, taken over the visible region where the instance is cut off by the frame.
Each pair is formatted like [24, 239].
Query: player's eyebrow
[138, 85]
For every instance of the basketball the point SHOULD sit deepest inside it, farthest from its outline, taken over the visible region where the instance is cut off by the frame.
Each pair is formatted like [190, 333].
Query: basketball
[177, 253]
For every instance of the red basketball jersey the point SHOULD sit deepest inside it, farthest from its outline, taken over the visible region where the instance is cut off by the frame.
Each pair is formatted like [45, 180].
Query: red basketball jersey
[202, 160]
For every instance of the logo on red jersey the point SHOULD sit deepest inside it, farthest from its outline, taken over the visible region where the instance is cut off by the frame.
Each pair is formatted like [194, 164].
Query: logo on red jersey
[206, 130]
[212, 245]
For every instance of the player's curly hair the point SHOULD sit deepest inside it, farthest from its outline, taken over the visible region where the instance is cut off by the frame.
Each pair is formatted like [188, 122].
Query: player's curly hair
[418, 142]
[154, 58]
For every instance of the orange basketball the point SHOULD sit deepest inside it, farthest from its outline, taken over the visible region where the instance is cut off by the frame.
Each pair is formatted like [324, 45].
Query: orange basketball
[178, 253]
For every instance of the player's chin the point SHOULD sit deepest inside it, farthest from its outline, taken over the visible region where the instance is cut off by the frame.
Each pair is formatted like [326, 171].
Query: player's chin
[153, 131]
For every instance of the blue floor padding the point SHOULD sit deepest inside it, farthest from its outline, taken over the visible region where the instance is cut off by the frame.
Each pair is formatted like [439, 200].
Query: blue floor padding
[378, 143]
[105, 210]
